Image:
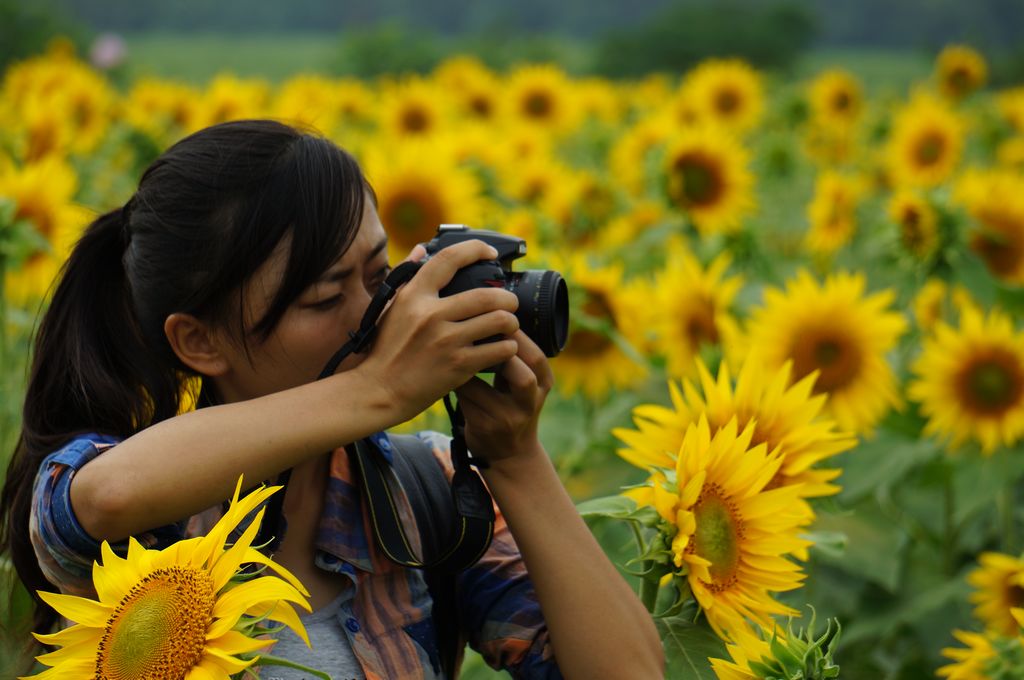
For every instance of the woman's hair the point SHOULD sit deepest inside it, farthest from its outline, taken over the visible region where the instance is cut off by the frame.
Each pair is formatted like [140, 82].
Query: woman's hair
[206, 215]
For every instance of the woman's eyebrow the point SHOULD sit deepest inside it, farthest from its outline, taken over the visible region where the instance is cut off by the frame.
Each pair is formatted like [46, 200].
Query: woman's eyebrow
[340, 274]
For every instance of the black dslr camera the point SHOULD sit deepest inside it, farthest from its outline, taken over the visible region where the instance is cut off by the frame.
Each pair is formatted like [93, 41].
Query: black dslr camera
[543, 296]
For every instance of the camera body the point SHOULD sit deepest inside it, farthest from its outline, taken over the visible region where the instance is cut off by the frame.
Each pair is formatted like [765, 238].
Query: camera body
[543, 295]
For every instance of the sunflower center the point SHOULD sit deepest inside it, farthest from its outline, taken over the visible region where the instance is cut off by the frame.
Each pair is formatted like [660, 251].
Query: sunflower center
[700, 325]
[158, 631]
[1000, 242]
[718, 535]
[37, 212]
[992, 383]
[414, 119]
[1014, 595]
[481, 106]
[930, 148]
[699, 181]
[412, 212]
[585, 342]
[727, 101]
[960, 80]
[538, 104]
[835, 357]
[842, 101]
[913, 232]
[42, 140]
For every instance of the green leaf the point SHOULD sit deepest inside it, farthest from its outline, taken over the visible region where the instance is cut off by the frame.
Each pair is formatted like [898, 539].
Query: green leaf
[875, 544]
[615, 507]
[977, 477]
[688, 646]
[882, 463]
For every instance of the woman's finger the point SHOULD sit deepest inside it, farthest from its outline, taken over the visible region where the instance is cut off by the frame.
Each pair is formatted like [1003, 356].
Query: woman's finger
[498, 322]
[440, 268]
[417, 253]
[477, 301]
[533, 356]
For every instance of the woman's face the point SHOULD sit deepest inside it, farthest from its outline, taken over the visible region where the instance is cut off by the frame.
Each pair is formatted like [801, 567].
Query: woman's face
[315, 325]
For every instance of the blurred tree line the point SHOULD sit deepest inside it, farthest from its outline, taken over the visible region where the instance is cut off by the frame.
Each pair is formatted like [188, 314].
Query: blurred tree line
[619, 39]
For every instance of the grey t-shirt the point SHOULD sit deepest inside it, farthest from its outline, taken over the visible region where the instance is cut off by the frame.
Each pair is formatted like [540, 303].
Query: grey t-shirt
[331, 652]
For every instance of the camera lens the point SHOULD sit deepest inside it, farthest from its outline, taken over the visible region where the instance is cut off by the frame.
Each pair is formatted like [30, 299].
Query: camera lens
[543, 308]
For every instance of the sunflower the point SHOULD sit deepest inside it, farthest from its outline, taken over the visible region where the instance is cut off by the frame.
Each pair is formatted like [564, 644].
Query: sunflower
[231, 98]
[541, 96]
[970, 380]
[729, 534]
[630, 159]
[917, 222]
[838, 331]
[786, 417]
[960, 71]
[460, 72]
[41, 132]
[836, 99]
[1010, 103]
[761, 655]
[599, 100]
[970, 663]
[706, 177]
[995, 199]
[419, 186]
[178, 612]
[832, 212]
[600, 354]
[727, 92]
[42, 194]
[533, 180]
[926, 142]
[162, 109]
[999, 589]
[830, 145]
[307, 100]
[1010, 153]
[693, 308]
[412, 108]
[929, 304]
[744, 647]
[355, 102]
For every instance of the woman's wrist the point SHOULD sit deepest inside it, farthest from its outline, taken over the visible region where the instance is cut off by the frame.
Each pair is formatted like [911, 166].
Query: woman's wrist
[518, 468]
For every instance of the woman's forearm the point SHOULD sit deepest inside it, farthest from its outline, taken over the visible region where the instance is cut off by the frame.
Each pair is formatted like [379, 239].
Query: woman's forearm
[184, 465]
[586, 603]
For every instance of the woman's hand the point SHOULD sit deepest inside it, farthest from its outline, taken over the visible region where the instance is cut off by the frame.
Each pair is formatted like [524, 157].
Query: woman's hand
[425, 343]
[501, 420]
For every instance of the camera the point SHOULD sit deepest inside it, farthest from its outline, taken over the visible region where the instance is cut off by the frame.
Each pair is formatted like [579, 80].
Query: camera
[543, 296]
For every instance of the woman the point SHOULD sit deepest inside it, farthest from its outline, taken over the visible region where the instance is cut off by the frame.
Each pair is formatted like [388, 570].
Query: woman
[248, 253]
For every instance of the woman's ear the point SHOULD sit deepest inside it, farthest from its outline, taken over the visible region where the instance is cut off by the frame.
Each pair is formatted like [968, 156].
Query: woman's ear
[196, 344]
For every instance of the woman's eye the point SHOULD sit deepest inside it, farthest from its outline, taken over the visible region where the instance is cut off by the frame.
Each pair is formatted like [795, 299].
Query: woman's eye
[326, 303]
[380, 276]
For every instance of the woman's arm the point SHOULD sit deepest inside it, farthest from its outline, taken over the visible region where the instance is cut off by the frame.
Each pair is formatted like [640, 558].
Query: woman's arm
[425, 347]
[587, 605]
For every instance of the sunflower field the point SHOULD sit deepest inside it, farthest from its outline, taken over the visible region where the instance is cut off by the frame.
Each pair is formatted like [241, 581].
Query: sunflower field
[791, 406]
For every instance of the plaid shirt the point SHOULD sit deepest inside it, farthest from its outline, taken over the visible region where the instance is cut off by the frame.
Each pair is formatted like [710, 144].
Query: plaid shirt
[391, 629]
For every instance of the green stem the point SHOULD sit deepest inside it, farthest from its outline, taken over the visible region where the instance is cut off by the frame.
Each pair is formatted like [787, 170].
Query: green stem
[949, 544]
[1006, 524]
[649, 589]
[270, 660]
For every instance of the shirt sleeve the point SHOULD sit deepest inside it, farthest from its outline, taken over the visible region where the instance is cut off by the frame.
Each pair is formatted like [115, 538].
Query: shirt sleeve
[63, 548]
[498, 606]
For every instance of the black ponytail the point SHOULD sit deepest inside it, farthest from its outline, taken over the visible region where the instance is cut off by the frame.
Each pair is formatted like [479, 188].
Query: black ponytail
[206, 215]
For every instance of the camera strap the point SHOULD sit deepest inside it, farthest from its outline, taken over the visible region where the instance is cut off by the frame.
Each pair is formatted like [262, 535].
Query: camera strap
[472, 500]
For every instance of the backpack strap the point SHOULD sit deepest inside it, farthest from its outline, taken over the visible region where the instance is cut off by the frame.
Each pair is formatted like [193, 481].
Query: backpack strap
[468, 501]
[430, 496]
